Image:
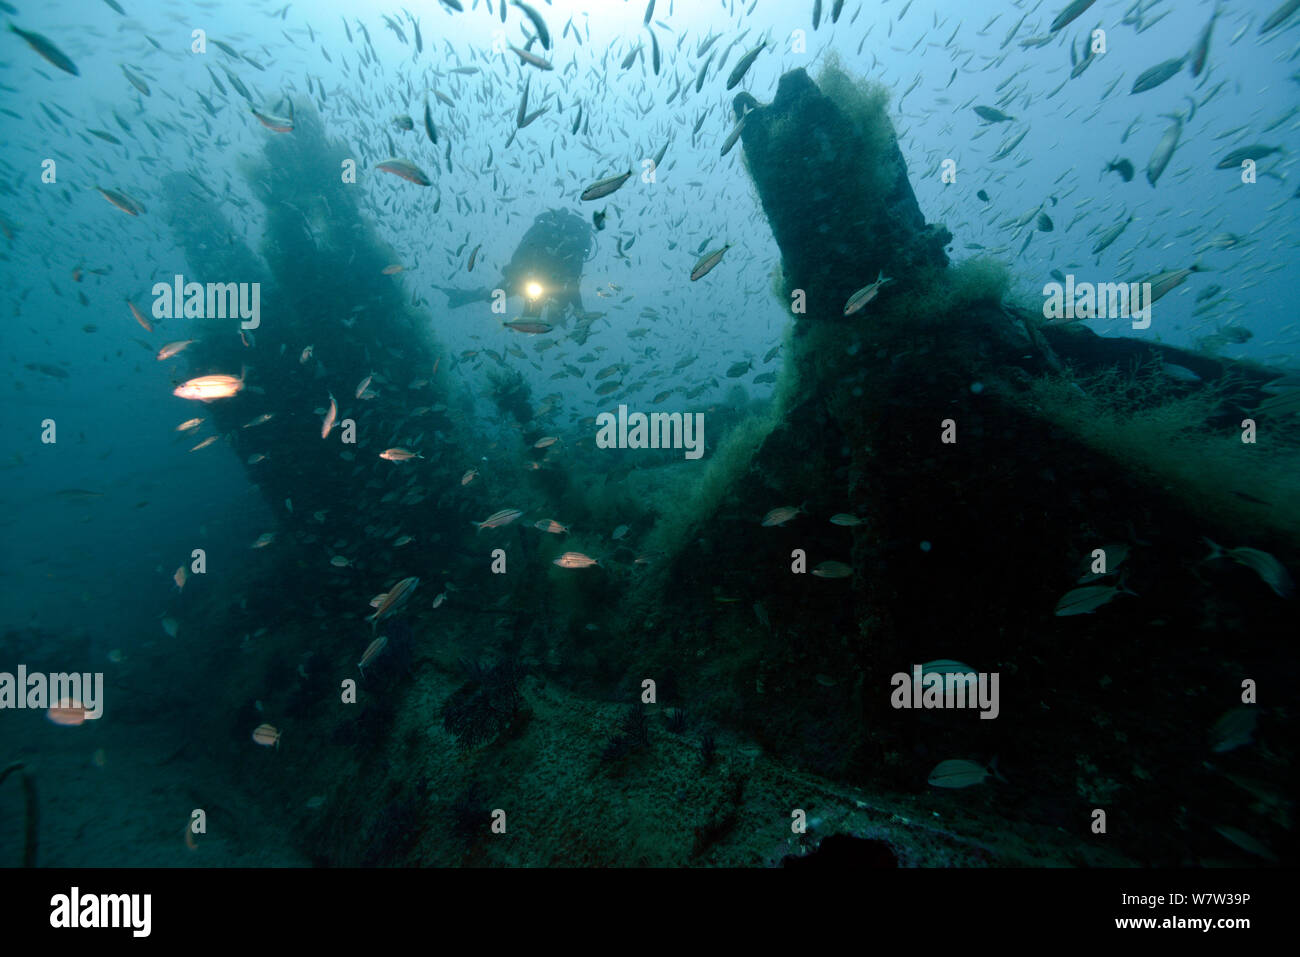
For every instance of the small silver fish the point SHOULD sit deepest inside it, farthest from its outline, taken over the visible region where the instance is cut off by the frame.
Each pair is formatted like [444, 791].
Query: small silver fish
[743, 64]
[47, 50]
[1086, 600]
[779, 516]
[136, 82]
[1070, 13]
[1279, 16]
[733, 136]
[532, 59]
[832, 569]
[1268, 568]
[1255, 151]
[1152, 78]
[1110, 235]
[707, 262]
[1164, 150]
[603, 187]
[1167, 281]
[956, 773]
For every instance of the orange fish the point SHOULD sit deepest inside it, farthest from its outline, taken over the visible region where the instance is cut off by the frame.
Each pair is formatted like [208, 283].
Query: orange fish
[208, 387]
[549, 525]
[139, 317]
[68, 712]
[169, 350]
[392, 600]
[276, 124]
[405, 169]
[180, 577]
[329, 418]
[469, 476]
[398, 454]
[575, 560]
[393, 270]
[122, 201]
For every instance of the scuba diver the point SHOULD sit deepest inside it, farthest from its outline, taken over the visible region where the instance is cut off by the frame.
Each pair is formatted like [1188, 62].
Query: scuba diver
[545, 270]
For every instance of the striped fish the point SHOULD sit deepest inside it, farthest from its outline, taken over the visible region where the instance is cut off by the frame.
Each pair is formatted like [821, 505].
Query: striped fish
[392, 600]
[372, 652]
[405, 169]
[498, 519]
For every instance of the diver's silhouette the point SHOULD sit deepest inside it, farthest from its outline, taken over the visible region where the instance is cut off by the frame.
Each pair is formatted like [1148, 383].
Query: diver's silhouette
[546, 268]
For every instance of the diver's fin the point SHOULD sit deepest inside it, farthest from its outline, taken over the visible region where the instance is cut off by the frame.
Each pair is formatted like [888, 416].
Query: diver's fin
[463, 297]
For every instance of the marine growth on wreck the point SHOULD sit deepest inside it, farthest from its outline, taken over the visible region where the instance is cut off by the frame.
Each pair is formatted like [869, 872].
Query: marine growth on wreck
[575, 435]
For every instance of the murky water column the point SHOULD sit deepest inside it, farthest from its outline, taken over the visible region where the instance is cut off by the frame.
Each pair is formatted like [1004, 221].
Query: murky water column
[334, 333]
